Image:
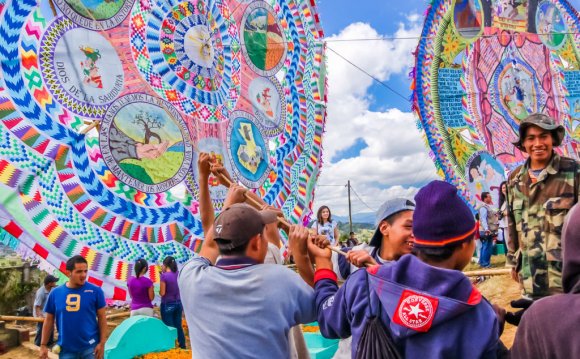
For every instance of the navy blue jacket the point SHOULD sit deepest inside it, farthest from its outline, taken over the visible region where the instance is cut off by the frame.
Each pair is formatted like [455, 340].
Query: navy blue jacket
[440, 313]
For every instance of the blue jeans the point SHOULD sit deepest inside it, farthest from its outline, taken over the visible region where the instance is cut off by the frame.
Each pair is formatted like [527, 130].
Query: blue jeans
[38, 336]
[486, 250]
[171, 316]
[85, 354]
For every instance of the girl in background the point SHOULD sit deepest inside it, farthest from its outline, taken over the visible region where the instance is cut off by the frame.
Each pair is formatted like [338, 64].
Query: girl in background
[171, 308]
[141, 290]
[325, 225]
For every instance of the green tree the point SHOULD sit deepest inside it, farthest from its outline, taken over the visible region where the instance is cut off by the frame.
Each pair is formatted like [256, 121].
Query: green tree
[13, 292]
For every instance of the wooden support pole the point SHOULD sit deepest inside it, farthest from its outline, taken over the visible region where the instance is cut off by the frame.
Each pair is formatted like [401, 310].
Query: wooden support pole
[90, 127]
[488, 272]
[33, 319]
[24, 319]
[51, 3]
[118, 315]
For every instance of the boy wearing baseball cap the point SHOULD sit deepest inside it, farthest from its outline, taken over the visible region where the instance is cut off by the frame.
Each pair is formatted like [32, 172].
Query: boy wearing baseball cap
[39, 303]
[392, 239]
[240, 307]
[426, 304]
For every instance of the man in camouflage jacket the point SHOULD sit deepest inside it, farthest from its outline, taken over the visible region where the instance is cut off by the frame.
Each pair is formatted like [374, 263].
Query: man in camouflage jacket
[540, 194]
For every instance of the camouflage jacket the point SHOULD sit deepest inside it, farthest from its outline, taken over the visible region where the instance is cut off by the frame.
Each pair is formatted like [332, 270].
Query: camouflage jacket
[535, 220]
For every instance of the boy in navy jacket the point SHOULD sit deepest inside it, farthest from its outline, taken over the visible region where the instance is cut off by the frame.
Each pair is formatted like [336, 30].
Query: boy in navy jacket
[426, 303]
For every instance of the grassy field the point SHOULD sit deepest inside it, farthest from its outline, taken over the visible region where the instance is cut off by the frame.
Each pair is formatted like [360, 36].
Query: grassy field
[158, 169]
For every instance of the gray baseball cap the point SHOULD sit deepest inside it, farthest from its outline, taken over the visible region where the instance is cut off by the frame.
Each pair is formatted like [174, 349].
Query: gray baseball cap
[386, 210]
[544, 122]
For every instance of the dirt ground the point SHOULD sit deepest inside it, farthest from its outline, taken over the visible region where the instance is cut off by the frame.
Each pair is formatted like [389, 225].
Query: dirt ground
[500, 290]
[20, 352]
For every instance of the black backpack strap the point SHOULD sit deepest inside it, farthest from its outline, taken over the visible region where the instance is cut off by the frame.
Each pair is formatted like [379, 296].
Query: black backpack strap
[376, 340]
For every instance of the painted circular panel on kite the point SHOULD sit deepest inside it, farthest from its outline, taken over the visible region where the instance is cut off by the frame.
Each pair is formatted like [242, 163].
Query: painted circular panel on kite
[263, 42]
[550, 25]
[145, 143]
[268, 103]
[248, 149]
[192, 58]
[81, 68]
[468, 18]
[95, 14]
[516, 91]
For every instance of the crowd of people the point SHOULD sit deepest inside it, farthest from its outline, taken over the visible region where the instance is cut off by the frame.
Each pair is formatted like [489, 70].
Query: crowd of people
[411, 298]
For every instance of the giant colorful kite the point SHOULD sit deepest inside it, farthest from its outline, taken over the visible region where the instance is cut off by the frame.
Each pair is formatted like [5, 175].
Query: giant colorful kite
[481, 67]
[164, 79]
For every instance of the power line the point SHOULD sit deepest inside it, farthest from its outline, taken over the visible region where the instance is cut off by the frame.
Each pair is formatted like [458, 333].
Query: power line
[390, 38]
[369, 75]
[360, 199]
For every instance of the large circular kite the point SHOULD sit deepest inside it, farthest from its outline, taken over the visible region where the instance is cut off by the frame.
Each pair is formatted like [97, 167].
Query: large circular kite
[165, 80]
[483, 66]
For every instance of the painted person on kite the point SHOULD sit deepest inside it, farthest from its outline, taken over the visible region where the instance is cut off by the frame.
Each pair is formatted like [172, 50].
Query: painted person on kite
[425, 303]
[540, 194]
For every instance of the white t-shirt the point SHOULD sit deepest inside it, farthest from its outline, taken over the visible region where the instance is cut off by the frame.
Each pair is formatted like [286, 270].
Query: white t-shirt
[326, 229]
[274, 255]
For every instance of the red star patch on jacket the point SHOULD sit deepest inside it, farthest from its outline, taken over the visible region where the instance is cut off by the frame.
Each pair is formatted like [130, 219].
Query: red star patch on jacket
[415, 311]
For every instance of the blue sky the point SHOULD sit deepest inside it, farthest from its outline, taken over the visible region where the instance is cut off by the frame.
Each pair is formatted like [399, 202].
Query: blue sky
[371, 136]
[384, 16]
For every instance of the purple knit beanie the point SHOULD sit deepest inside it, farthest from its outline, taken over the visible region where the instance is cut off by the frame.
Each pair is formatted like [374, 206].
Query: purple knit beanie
[441, 218]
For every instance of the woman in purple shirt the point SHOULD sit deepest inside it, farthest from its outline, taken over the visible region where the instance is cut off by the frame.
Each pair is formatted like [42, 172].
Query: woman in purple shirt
[141, 290]
[171, 308]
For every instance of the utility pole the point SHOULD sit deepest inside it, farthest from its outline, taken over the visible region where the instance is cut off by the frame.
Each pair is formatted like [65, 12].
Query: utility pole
[349, 206]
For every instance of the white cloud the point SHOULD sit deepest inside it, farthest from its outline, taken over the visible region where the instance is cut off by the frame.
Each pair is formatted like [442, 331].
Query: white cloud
[395, 157]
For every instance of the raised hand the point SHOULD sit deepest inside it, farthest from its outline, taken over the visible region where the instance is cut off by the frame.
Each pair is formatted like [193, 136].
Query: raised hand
[236, 194]
[204, 165]
[360, 258]
[220, 172]
[298, 237]
[318, 247]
